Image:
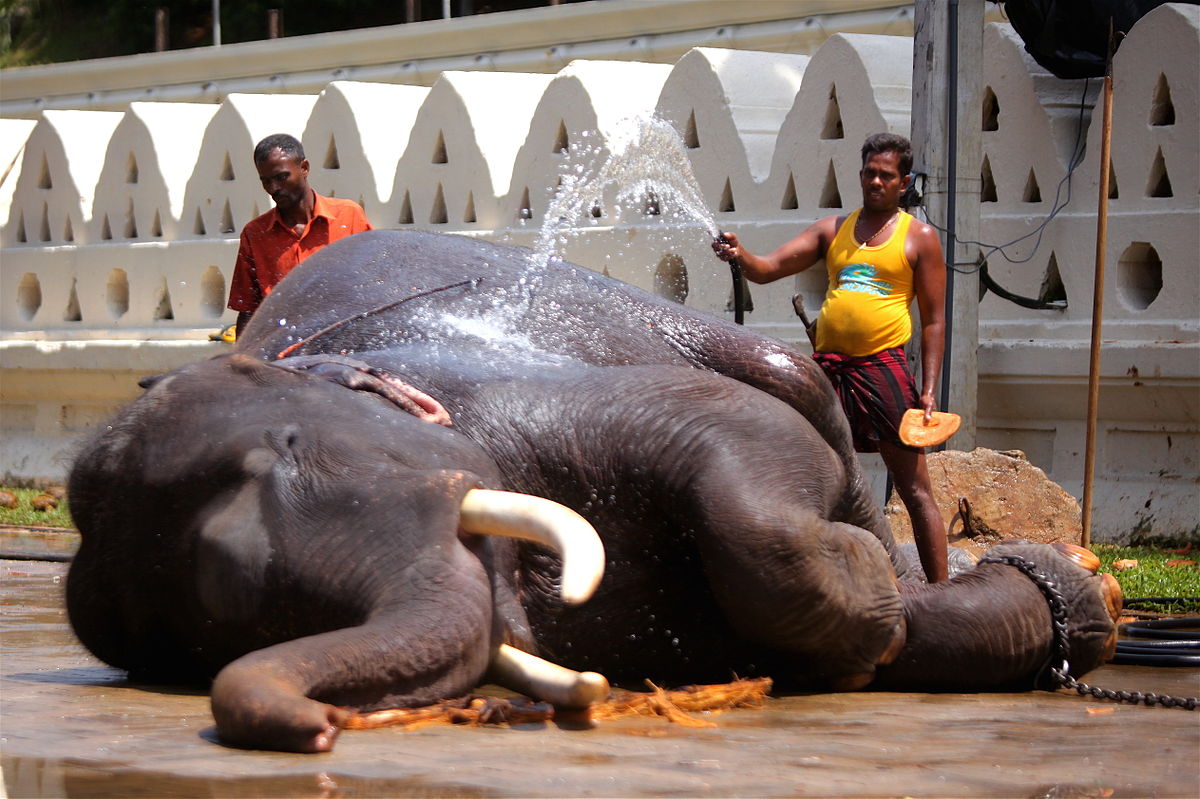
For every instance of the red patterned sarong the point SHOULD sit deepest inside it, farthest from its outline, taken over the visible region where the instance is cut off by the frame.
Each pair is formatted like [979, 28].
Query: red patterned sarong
[875, 391]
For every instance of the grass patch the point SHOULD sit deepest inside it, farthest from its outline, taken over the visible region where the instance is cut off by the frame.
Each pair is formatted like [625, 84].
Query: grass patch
[1160, 573]
[24, 514]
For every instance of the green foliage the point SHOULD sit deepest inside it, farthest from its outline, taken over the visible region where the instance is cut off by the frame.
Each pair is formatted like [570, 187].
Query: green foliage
[1154, 577]
[25, 516]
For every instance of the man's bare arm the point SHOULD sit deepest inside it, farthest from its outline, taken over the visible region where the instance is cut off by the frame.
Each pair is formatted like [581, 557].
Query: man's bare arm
[929, 276]
[791, 258]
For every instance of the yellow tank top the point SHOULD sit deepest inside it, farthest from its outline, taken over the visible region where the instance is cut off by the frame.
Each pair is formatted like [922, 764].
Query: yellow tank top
[870, 289]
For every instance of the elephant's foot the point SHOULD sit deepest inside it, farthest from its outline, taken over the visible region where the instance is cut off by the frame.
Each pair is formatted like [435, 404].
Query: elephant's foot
[859, 680]
[530, 675]
[992, 627]
[257, 712]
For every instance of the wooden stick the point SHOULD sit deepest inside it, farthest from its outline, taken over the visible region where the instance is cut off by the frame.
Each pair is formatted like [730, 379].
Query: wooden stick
[1089, 461]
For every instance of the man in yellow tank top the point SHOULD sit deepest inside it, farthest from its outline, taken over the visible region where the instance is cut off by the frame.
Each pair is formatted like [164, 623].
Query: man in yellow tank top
[878, 258]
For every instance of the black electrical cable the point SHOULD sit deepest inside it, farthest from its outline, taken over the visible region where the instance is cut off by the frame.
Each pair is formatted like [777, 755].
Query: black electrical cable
[1057, 207]
[1017, 299]
[1171, 644]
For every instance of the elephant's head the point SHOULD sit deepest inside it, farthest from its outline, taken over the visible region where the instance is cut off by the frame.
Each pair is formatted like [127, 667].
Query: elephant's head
[324, 505]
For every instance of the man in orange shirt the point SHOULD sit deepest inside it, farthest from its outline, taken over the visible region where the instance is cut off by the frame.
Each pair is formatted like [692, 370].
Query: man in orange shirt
[301, 223]
[879, 259]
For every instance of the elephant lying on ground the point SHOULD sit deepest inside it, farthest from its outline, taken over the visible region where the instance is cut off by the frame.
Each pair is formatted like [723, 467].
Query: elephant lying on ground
[303, 518]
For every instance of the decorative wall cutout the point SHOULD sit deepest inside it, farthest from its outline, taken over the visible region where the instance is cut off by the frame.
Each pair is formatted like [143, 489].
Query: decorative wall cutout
[131, 169]
[439, 150]
[331, 155]
[198, 229]
[116, 293]
[469, 211]
[651, 207]
[562, 143]
[73, 313]
[162, 309]
[671, 278]
[726, 205]
[406, 210]
[68, 231]
[790, 201]
[227, 225]
[988, 184]
[437, 215]
[21, 237]
[1160, 182]
[991, 110]
[131, 231]
[29, 296]
[831, 197]
[691, 136]
[212, 293]
[227, 169]
[156, 229]
[1162, 110]
[1033, 192]
[1113, 192]
[105, 229]
[524, 211]
[833, 128]
[1139, 275]
[44, 181]
[1052, 285]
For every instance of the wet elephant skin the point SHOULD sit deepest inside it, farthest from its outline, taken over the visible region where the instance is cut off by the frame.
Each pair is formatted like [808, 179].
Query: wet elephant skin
[287, 521]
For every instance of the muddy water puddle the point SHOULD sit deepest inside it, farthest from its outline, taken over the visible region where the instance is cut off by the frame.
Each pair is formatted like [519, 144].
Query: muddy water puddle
[72, 727]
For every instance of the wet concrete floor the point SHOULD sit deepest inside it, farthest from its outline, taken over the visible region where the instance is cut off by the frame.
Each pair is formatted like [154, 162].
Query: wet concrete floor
[72, 727]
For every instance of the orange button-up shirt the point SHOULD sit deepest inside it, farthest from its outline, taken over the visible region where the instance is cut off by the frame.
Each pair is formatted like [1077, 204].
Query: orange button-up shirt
[270, 248]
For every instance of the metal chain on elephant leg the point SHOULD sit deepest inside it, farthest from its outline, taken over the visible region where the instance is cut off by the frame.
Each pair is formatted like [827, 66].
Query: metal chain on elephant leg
[1061, 644]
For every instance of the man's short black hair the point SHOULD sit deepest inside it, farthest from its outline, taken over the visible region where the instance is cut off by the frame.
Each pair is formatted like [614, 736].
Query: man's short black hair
[889, 143]
[289, 145]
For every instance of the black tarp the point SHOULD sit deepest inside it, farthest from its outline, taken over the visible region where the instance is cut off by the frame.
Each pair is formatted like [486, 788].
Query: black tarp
[1070, 37]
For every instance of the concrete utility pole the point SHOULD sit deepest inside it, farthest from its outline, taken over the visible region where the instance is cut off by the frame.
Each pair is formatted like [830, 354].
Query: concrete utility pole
[946, 121]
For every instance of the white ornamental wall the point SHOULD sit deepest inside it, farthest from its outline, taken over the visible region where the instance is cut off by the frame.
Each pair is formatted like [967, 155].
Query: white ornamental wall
[1033, 364]
[86, 307]
[355, 134]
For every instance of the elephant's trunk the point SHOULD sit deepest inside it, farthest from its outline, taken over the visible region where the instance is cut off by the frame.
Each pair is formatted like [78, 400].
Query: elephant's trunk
[486, 512]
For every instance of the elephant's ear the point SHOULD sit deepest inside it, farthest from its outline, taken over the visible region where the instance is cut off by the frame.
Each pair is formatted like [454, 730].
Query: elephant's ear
[355, 374]
[233, 549]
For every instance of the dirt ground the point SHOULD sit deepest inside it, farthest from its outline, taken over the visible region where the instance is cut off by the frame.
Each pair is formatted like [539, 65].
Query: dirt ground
[72, 727]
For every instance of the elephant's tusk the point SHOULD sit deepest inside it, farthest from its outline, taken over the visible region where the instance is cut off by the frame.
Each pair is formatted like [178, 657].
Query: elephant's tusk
[487, 512]
[530, 675]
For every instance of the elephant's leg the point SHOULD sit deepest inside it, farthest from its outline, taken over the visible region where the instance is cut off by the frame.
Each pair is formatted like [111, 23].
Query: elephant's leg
[293, 696]
[823, 593]
[991, 627]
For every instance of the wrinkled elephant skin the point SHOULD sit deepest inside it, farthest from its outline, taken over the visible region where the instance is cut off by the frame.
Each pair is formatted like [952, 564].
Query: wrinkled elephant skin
[289, 518]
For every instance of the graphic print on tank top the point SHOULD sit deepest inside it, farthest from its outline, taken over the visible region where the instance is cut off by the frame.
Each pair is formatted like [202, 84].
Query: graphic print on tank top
[863, 278]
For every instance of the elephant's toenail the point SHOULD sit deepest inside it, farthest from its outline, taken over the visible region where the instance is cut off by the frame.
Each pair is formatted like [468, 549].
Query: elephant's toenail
[1083, 558]
[1114, 599]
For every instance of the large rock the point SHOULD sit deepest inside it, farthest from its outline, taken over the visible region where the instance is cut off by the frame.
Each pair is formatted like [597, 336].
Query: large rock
[1006, 497]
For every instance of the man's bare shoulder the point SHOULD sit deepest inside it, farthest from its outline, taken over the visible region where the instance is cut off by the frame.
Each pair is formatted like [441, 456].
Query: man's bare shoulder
[921, 229]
